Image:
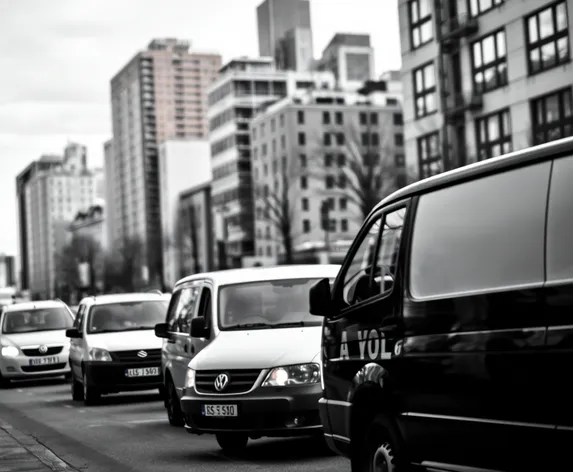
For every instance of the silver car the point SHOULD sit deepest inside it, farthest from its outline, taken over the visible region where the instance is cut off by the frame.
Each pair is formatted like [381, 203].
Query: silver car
[33, 340]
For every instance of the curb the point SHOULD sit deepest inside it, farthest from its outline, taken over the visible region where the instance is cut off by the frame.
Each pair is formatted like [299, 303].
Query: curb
[37, 449]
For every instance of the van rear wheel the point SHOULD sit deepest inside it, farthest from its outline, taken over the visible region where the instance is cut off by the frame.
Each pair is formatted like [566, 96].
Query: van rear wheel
[380, 451]
[232, 442]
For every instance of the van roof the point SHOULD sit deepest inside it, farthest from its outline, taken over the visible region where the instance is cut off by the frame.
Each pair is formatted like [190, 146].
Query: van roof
[529, 155]
[255, 274]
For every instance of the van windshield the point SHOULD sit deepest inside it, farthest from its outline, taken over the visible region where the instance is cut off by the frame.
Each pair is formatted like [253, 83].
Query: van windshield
[126, 316]
[28, 321]
[268, 304]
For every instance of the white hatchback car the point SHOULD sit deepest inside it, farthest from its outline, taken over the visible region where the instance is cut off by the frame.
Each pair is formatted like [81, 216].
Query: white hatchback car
[33, 340]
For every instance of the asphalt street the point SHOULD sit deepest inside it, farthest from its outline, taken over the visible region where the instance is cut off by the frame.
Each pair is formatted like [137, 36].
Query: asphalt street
[130, 432]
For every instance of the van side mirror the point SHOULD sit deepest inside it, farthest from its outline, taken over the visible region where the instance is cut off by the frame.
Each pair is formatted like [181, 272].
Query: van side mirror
[162, 330]
[199, 328]
[320, 299]
[73, 333]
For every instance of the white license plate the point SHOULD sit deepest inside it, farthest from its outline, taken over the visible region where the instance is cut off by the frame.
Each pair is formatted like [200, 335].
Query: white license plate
[142, 372]
[220, 410]
[45, 360]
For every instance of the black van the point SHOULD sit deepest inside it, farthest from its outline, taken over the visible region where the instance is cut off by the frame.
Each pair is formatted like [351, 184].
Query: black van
[448, 334]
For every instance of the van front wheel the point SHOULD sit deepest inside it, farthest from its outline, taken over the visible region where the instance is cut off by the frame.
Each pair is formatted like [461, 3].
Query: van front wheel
[380, 452]
[232, 442]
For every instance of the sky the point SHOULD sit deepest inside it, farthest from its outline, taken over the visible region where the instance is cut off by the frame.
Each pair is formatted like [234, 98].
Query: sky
[58, 56]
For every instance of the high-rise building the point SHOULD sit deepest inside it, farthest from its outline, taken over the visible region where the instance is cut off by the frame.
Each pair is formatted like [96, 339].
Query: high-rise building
[350, 57]
[243, 85]
[51, 191]
[302, 157]
[493, 76]
[160, 94]
[7, 273]
[285, 33]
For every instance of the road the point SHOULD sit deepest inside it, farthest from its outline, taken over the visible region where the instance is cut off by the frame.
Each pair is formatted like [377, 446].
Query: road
[130, 432]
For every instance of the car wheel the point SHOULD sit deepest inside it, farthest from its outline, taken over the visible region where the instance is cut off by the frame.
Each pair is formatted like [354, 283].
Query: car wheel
[68, 376]
[77, 390]
[380, 450]
[232, 442]
[91, 395]
[4, 382]
[173, 406]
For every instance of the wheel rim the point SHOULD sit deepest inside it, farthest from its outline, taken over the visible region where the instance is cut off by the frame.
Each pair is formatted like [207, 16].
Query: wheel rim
[382, 460]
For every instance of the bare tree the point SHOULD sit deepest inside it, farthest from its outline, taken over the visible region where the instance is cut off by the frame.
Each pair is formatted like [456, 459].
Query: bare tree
[81, 249]
[123, 268]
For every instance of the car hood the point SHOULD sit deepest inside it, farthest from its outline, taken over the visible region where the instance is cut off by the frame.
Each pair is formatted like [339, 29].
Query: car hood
[125, 340]
[56, 337]
[259, 349]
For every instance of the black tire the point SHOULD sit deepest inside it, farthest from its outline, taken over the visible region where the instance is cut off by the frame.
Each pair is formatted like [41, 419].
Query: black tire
[173, 406]
[77, 390]
[69, 376]
[4, 382]
[381, 449]
[232, 442]
[92, 396]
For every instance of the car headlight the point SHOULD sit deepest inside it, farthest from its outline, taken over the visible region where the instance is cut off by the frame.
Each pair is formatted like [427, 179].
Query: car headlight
[98, 354]
[190, 378]
[302, 374]
[8, 348]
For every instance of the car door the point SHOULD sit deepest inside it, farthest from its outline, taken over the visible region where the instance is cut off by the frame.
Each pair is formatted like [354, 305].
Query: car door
[180, 342]
[367, 300]
[76, 344]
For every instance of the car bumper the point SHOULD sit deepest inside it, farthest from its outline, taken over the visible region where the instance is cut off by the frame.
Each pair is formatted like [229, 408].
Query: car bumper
[335, 442]
[112, 376]
[266, 411]
[31, 367]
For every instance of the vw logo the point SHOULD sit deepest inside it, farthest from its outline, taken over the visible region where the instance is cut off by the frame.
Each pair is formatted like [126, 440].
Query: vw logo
[221, 382]
[142, 354]
[43, 349]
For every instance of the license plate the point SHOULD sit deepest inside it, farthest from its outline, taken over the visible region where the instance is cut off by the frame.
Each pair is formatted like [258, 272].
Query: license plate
[142, 372]
[45, 360]
[220, 410]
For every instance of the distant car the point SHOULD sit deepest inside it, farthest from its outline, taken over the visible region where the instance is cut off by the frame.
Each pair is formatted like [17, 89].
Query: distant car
[33, 341]
[113, 345]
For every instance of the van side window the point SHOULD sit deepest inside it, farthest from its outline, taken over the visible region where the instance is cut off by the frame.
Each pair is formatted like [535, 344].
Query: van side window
[385, 270]
[560, 222]
[186, 308]
[481, 235]
[79, 316]
[205, 305]
[172, 312]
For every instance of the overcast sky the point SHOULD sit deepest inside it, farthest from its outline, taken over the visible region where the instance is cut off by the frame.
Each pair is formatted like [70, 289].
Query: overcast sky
[57, 57]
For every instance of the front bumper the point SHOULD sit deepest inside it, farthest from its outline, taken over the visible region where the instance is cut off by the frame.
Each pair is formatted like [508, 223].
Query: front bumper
[111, 376]
[264, 412]
[37, 366]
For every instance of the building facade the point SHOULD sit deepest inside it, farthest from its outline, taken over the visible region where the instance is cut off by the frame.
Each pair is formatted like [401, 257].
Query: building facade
[304, 152]
[243, 86]
[159, 95]
[50, 193]
[7, 271]
[285, 33]
[195, 243]
[484, 77]
[183, 164]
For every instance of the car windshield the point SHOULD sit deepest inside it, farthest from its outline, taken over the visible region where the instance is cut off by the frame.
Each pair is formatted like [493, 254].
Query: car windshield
[41, 319]
[268, 304]
[126, 316]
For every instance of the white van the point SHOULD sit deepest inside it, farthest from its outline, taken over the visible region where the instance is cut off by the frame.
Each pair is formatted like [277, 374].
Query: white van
[258, 371]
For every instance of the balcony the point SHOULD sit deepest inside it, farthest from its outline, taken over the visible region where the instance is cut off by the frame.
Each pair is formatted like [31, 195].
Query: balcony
[458, 104]
[456, 28]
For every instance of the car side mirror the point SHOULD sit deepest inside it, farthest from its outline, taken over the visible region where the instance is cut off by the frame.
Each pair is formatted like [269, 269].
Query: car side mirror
[162, 330]
[320, 298]
[73, 333]
[199, 328]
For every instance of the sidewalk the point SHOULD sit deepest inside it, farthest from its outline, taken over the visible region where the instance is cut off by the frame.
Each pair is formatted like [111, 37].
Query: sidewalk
[20, 452]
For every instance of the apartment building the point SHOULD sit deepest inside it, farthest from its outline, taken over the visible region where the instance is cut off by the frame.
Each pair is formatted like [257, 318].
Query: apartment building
[51, 191]
[483, 77]
[243, 85]
[304, 148]
[159, 95]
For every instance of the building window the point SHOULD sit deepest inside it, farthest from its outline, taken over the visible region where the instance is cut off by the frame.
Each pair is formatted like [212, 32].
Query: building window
[552, 116]
[282, 120]
[325, 118]
[429, 159]
[425, 90]
[340, 139]
[328, 158]
[421, 31]
[300, 117]
[344, 226]
[303, 161]
[489, 62]
[306, 226]
[373, 118]
[342, 204]
[479, 7]
[398, 119]
[547, 36]
[329, 181]
[326, 139]
[398, 139]
[338, 118]
[303, 182]
[363, 118]
[304, 204]
[341, 160]
[301, 139]
[342, 181]
[493, 135]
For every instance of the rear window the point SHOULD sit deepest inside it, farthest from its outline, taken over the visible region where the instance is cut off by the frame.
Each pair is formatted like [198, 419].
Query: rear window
[42, 319]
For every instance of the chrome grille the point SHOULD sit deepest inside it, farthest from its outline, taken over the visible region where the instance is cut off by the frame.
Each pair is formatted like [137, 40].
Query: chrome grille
[240, 381]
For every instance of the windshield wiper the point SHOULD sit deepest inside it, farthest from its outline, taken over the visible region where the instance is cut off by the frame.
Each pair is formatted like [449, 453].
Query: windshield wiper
[289, 323]
[252, 325]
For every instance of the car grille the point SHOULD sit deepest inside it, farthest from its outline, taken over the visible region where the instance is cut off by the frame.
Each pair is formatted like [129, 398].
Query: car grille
[153, 355]
[240, 381]
[43, 368]
[36, 351]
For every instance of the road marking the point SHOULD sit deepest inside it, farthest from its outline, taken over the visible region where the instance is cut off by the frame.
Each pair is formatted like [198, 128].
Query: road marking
[82, 411]
[20, 390]
[67, 406]
[155, 420]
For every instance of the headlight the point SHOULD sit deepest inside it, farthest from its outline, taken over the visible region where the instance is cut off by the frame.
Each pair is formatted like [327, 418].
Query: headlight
[8, 348]
[98, 354]
[302, 374]
[190, 378]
